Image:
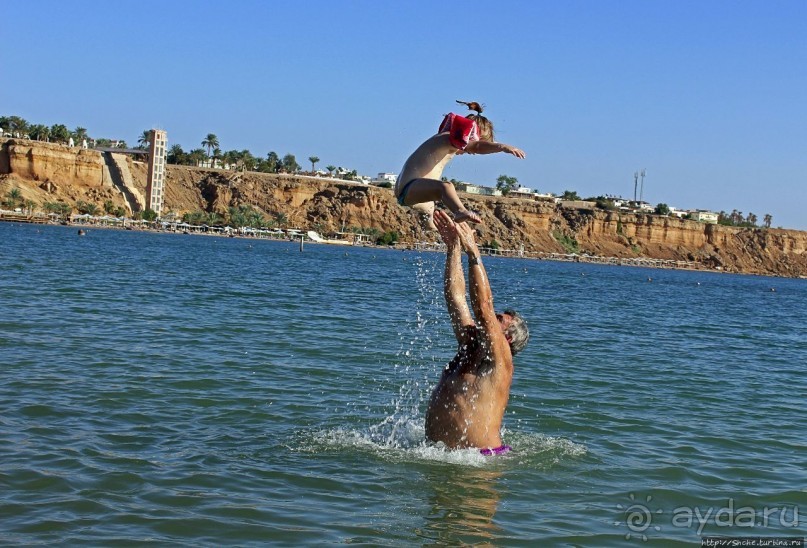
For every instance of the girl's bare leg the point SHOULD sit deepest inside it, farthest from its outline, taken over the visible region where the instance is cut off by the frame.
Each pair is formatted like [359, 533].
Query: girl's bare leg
[430, 190]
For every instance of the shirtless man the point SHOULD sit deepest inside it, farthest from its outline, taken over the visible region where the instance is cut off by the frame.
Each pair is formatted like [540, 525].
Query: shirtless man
[467, 406]
[419, 184]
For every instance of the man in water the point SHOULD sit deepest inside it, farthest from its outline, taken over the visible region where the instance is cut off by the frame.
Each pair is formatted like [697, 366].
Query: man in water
[467, 407]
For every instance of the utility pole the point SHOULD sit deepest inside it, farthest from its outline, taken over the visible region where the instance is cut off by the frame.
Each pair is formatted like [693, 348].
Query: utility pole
[635, 183]
[641, 192]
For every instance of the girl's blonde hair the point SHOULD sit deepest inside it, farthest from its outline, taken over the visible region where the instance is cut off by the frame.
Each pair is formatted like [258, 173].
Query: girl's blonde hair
[485, 126]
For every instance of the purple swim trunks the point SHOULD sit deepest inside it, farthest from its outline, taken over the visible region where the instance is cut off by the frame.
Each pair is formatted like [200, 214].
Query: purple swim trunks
[501, 450]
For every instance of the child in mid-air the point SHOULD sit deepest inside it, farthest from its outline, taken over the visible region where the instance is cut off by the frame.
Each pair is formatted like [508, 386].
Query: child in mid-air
[419, 184]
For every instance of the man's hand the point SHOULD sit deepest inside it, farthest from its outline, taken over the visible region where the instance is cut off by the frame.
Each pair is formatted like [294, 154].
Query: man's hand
[467, 238]
[446, 227]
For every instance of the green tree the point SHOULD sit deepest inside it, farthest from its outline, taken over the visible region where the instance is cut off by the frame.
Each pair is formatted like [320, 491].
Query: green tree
[15, 125]
[109, 207]
[248, 161]
[767, 220]
[39, 132]
[272, 162]
[751, 219]
[149, 215]
[662, 209]
[59, 133]
[290, 164]
[604, 202]
[330, 170]
[230, 158]
[388, 238]
[13, 196]
[313, 160]
[59, 208]
[144, 141]
[211, 142]
[197, 217]
[505, 184]
[196, 156]
[281, 219]
[570, 195]
[176, 155]
[79, 134]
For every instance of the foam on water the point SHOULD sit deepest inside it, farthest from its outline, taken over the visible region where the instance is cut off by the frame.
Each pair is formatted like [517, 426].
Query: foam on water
[404, 441]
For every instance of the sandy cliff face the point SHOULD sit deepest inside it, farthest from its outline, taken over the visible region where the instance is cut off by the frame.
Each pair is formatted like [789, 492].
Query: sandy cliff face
[45, 172]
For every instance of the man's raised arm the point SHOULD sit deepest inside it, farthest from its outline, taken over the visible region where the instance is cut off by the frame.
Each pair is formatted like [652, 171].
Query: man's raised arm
[454, 278]
[482, 296]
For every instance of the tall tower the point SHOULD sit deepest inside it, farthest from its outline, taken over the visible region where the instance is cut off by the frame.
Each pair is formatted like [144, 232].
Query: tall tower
[156, 179]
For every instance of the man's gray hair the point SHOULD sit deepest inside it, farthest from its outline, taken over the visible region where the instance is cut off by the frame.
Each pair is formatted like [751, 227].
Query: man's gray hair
[517, 332]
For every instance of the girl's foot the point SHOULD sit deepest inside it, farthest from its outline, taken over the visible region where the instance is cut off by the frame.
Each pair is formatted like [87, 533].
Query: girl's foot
[467, 215]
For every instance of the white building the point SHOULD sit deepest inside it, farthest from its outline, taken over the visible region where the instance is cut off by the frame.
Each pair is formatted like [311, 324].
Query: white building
[155, 186]
[476, 189]
[385, 178]
[522, 192]
[704, 216]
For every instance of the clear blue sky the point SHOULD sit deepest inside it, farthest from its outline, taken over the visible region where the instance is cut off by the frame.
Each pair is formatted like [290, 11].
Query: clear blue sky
[707, 96]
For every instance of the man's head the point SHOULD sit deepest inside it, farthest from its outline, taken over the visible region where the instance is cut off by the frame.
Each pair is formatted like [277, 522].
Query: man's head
[515, 329]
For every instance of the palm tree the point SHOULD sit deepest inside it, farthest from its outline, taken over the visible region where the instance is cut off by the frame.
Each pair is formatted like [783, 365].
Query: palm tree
[211, 142]
[175, 154]
[79, 134]
[768, 220]
[313, 160]
[14, 195]
[752, 219]
[196, 156]
[248, 159]
[330, 170]
[60, 133]
[39, 132]
[230, 158]
[17, 126]
[145, 139]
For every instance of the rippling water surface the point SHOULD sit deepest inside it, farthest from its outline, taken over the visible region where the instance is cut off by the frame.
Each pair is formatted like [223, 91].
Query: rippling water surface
[168, 389]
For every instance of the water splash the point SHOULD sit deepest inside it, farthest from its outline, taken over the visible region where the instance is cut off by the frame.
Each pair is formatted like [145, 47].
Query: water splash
[400, 435]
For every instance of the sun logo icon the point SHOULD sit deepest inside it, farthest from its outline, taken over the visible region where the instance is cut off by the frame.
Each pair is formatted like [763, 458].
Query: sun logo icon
[638, 517]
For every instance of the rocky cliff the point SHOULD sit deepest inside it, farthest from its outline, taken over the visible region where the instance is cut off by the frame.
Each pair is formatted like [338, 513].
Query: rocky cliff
[46, 173]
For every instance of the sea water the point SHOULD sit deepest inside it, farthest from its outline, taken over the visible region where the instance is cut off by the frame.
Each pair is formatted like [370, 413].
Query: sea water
[176, 389]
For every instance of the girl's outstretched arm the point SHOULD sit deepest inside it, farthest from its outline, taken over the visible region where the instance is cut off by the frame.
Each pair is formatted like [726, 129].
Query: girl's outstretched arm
[490, 147]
